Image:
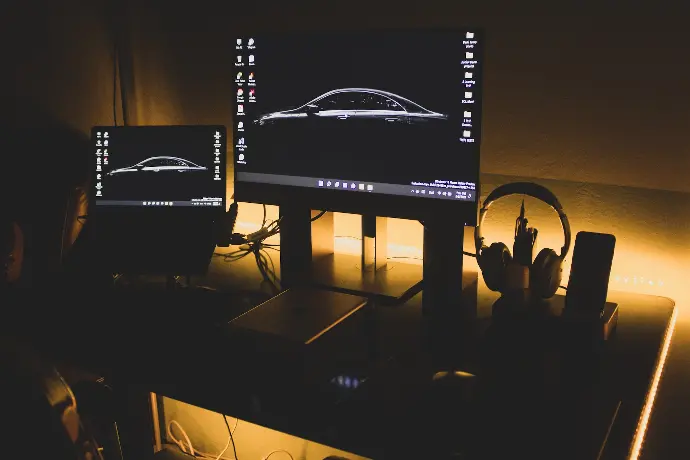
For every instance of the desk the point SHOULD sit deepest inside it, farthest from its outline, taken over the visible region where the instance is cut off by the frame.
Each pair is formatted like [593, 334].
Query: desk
[536, 398]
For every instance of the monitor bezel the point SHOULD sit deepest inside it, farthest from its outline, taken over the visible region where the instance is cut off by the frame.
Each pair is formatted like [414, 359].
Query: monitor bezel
[403, 207]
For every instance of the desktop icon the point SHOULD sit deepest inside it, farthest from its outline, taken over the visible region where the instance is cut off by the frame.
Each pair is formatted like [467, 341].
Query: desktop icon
[240, 157]
[240, 92]
[320, 183]
[98, 193]
[99, 186]
[361, 186]
[98, 143]
[370, 187]
[469, 35]
[143, 203]
[105, 152]
[98, 152]
[468, 95]
[98, 161]
[217, 135]
[98, 167]
[469, 55]
[239, 42]
[344, 184]
[467, 114]
[468, 74]
[98, 177]
[250, 42]
[105, 143]
[466, 134]
[337, 184]
[240, 125]
[240, 108]
[240, 141]
[105, 161]
[105, 134]
[328, 184]
[251, 92]
[239, 76]
[239, 58]
[251, 58]
[353, 186]
[98, 134]
[251, 75]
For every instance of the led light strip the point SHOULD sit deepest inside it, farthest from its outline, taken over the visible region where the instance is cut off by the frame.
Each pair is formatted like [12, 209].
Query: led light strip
[651, 395]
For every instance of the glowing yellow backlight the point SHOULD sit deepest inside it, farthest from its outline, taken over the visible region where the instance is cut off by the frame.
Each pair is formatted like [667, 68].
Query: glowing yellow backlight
[649, 402]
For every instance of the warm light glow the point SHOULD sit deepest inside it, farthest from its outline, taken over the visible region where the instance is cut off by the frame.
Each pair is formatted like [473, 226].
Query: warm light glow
[642, 265]
[651, 395]
[189, 427]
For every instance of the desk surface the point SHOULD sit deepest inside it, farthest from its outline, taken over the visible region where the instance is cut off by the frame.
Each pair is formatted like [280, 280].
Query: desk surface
[533, 394]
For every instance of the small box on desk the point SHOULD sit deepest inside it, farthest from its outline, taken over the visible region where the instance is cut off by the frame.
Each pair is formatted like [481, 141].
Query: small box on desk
[586, 325]
[299, 316]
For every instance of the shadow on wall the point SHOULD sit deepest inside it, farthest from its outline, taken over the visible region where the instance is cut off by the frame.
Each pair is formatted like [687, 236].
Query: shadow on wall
[46, 164]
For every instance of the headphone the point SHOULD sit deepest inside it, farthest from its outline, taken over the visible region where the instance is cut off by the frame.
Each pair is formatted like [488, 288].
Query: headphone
[546, 271]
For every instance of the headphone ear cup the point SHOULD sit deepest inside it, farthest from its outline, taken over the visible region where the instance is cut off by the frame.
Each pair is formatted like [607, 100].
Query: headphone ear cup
[546, 273]
[493, 263]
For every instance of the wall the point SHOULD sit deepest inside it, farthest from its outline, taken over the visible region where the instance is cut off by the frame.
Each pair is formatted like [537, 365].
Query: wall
[61, 58]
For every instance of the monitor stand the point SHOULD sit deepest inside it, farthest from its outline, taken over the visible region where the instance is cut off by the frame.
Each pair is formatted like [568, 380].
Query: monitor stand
[308, 257]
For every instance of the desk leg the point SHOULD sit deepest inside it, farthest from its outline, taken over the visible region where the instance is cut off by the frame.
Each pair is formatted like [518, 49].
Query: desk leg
[135, 420]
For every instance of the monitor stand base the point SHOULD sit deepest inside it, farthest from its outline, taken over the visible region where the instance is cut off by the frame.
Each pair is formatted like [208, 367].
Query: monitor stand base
[308, 258]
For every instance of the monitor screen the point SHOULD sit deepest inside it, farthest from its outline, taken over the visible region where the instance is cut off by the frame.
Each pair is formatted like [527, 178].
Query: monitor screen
[362, 120]
[159, 166]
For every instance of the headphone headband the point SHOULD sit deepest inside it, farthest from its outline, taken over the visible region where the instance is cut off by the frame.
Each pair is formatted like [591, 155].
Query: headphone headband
[537, 191]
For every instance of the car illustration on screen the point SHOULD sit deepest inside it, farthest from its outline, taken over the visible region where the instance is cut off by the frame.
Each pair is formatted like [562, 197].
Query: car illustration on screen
[357, 104]
[160, 164]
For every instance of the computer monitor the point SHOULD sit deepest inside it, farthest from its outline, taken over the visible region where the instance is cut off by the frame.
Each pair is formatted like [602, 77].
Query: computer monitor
[385, 123]
[137, 167]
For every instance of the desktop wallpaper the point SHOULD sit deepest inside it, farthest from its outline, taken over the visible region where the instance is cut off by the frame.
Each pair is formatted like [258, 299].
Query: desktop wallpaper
[382, 106]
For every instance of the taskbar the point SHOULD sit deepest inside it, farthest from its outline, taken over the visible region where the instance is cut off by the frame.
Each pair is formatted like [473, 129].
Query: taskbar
[204, 204]
[436, 192]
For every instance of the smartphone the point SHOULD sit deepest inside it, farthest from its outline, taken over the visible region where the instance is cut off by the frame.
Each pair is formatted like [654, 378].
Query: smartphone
[590, 272]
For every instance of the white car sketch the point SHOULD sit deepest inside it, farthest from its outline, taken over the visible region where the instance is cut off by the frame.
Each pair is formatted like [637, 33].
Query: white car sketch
[163, 163]
[358, 103]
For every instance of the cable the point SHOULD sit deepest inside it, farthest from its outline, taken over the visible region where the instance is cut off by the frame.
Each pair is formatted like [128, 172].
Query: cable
[318, 216]
[254, 244]
[230, 440]
[230, 437]
[184, 434]
[197, 453]
[279, 450]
